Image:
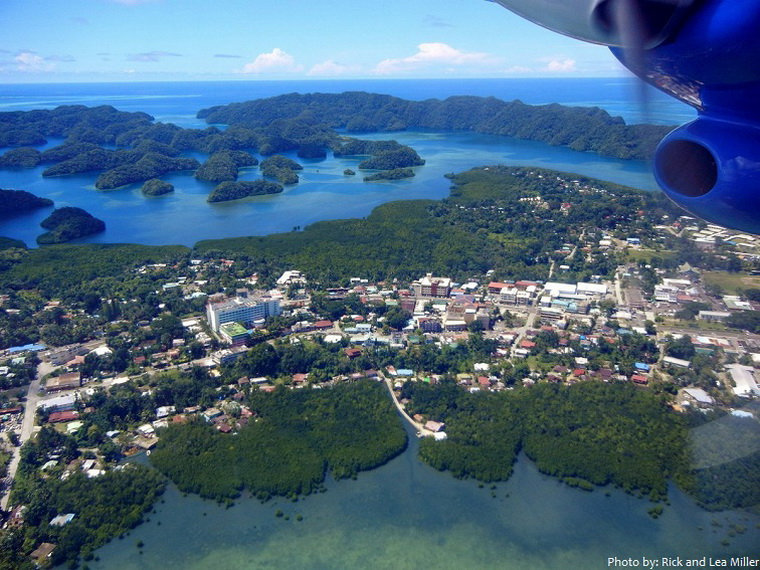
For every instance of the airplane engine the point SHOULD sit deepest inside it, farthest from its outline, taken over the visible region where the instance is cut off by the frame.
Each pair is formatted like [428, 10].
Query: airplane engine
[705, 53]
[712, 168]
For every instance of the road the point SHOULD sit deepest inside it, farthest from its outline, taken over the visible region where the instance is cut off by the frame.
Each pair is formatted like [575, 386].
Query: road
[27, 425]
[532, 314]
[618, 290]
[416, 425]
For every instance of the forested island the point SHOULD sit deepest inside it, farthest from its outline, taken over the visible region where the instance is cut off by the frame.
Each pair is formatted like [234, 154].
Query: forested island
[157, 187]
[122, 148]
[16, 202]
[227, 191]
[69, 223]
[223, 165]
[281, 168]
[580, 128]
[394, 174]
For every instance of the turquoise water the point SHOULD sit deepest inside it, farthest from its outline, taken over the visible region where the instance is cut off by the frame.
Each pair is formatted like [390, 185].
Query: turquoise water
[324, 192]
[406, 515]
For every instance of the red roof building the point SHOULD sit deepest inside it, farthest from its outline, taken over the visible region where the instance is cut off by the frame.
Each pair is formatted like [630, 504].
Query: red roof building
[67, 416]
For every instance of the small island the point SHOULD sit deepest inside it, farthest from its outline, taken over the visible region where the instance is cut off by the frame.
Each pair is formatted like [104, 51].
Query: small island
[24, 157]
[157, 187]
[224, 164]
[394, 174]
[393, 159]
[227, 191]
[69, 223]
[282, 168]
[16, 202]
[151, 165]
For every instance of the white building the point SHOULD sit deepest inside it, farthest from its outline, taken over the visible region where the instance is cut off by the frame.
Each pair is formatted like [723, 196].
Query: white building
[744, 380]
[239, 310]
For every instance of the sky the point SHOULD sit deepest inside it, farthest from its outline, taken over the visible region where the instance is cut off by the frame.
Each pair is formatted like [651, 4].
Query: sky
[184, 40]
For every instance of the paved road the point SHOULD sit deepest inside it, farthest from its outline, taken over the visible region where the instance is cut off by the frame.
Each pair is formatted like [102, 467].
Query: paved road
[532, 314]
[27, 425]
[416, 425]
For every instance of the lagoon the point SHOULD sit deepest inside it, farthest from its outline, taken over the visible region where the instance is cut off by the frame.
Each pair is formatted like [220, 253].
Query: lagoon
[324, 192]
[407, 515]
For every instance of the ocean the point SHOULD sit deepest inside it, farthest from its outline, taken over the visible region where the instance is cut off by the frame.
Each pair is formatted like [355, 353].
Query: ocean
[185, 217]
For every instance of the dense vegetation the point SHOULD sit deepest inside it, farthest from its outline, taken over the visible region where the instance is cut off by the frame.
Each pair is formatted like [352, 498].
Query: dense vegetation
[157, 187]
[99, 125]
[104, 508]
[584, 129]
[281, 168]
[237, 190]
[24, 157]
[85, 264]
[299, 436]
[395, 174]
[591, 432]
[484, 225]
[223, 165]
[15, 202]
[68, 223]
[725, 476]
[150, 165]
[393, 159]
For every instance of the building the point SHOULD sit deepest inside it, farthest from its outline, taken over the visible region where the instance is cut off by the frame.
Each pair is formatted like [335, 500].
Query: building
[246, 311]
[228, 355]
[430, 286]
[68, 381]
[233, 333]
[743, 377]
[58, 403]
[713, 316]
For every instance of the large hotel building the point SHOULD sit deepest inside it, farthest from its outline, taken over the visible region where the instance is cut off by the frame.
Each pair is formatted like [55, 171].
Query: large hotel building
[241, 310]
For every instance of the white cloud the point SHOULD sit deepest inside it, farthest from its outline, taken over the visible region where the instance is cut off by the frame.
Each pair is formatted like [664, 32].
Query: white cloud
[332, 69]
[274, 61]
[561, 65]
[431, 54]
[30, 61]
[152, 56]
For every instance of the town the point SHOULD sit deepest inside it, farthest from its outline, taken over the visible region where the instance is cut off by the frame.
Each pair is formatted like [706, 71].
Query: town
[201, 336]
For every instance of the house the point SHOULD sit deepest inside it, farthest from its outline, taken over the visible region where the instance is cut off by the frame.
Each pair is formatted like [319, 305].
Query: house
[68, 381]
[677, 362]
[434, 426]
[64, 416]
[42, 553]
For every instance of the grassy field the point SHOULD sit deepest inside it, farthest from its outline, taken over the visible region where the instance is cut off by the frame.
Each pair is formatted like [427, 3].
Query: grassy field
[731, 282]
[646, 255]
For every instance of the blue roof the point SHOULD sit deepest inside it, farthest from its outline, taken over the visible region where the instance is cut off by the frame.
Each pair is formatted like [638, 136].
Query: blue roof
[641, 366]
[405, 372]
[32, 347]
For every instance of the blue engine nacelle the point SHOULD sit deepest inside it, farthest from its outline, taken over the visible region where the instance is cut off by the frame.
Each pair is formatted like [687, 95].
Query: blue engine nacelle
[712, 168]
[705, 53]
